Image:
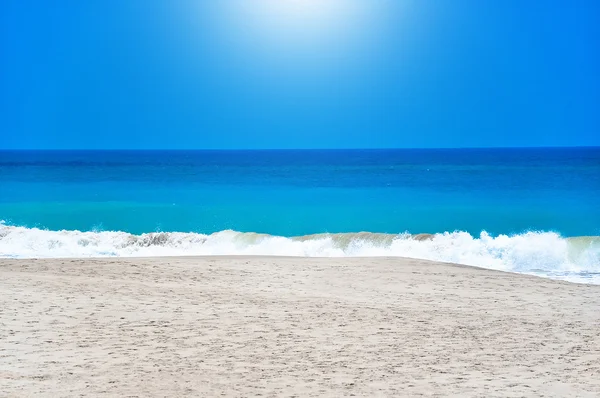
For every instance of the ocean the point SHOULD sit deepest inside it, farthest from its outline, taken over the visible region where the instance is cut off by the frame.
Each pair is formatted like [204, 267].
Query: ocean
[534, 211]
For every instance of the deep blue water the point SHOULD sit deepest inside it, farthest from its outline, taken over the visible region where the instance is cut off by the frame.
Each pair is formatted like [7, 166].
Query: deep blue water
[290, 193]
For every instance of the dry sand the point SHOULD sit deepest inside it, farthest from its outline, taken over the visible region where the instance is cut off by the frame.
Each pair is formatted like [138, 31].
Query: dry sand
[250, 326]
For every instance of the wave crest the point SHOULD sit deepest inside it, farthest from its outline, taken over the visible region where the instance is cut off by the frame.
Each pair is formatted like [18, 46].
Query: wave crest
[542, 253]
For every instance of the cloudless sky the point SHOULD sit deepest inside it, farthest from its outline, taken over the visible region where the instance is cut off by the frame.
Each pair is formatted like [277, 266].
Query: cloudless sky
[148, 74]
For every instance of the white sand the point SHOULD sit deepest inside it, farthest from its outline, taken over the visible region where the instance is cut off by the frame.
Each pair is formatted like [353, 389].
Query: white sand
[248, 326]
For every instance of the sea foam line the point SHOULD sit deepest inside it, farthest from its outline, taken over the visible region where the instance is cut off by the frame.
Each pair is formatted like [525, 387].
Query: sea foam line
[540, 253]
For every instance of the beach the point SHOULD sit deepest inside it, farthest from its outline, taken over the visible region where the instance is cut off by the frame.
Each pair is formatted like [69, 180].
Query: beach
[286, 326]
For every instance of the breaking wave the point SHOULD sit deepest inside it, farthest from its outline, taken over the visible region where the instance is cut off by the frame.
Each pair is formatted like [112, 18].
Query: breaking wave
[540, 253]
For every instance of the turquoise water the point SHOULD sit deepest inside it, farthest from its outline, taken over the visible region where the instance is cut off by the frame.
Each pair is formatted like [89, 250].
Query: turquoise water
[294, 193]
[503, 208]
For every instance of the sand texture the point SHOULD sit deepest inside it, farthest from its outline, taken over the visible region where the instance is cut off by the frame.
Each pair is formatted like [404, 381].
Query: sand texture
[278, 327]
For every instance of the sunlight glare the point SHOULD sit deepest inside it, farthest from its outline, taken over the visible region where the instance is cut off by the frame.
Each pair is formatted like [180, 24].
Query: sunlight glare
[288, 25]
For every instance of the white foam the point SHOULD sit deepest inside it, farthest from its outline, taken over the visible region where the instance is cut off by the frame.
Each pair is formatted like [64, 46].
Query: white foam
[541, 253]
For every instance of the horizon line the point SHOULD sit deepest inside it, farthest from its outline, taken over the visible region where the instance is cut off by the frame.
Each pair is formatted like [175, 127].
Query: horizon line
[280, 149]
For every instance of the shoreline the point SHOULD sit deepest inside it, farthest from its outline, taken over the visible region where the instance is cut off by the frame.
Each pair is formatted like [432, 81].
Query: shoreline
[547, 254]
[288, 258]
[261, 257]
[270, 325]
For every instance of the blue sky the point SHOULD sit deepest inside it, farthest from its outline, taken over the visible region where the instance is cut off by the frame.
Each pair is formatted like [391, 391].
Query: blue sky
[148, 74]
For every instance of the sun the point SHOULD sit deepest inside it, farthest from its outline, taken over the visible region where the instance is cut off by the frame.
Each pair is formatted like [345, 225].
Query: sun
[300, 40]
[294, 10]
[295, 23]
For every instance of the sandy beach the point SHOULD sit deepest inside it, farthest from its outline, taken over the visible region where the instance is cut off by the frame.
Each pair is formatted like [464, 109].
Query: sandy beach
[270, 326]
